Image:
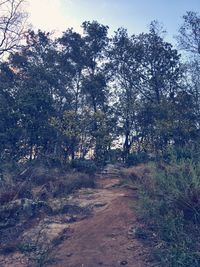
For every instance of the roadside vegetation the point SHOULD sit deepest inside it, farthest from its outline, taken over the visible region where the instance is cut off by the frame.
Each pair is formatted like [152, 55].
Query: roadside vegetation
[169, 209]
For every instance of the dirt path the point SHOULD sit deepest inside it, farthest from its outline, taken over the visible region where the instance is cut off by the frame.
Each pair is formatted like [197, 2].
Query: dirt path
[103, 238]
[95, 229]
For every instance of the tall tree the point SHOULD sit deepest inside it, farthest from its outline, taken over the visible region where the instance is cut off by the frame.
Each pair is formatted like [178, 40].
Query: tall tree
[94, 85]
[125, 62]
[35, 84]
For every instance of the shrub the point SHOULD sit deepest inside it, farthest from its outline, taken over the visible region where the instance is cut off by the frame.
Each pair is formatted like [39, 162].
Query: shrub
[73, 182]
[170, 207]
[179, 153]
[136, 173]
[137, 158]
[86, 166]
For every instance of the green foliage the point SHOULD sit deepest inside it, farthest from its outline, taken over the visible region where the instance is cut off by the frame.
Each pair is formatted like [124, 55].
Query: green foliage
[82, 96]
[86, 166]
[77, 95]
[137, 158]
[170, 207]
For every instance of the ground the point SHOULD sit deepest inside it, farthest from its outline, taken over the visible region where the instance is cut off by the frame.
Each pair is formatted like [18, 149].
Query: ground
[103, 237]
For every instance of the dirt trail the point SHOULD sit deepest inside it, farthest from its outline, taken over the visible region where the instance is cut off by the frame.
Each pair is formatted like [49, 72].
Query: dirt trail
[99, 232]
[103, 238]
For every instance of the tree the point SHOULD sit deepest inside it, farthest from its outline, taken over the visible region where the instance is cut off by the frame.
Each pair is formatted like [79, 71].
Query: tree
[189, 33]
[8, 123]
[189, 42]
[95, 80]
[35, 93]
[146, 71]
[94, 83]
[125, 60]
[160, 71]
[79, 93]
[12, 24]
[72, 62]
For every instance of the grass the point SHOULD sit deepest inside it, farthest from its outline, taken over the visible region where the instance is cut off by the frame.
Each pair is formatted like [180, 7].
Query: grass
[41, 182]
[169, 208]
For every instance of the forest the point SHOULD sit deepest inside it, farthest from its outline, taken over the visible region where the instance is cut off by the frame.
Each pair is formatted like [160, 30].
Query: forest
[82, 101]
[100, 97]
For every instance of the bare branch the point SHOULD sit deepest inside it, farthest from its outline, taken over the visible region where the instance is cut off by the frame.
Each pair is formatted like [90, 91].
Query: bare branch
[12, 24]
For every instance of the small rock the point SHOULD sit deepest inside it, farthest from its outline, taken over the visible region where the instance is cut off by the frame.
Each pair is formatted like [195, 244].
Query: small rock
[69, 254]
[99, 205]
[123, 262]
[130, 248]
[112, 235]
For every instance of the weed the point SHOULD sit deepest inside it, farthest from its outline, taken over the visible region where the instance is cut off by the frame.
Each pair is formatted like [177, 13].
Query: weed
[169, 204]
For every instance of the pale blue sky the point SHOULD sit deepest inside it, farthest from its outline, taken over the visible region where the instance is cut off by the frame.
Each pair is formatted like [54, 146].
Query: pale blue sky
[135, 15]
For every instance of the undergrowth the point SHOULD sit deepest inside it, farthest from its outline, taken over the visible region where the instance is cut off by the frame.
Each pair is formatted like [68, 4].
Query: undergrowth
[169, 207]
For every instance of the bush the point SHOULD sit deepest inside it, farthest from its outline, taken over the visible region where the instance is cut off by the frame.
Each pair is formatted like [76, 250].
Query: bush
[135, 174]
[86, 166]
[137, 158]
[73, 182]
[178, 153]
[170, 207]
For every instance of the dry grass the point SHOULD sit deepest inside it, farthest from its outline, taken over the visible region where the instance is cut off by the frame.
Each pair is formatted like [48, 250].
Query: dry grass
[137, 174]
[42, 183]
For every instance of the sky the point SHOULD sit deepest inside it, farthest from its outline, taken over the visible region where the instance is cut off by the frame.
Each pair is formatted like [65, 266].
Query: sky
[135, 15]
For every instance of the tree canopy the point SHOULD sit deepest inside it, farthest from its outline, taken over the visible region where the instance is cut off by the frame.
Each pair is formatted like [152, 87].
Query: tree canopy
[88, 95]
